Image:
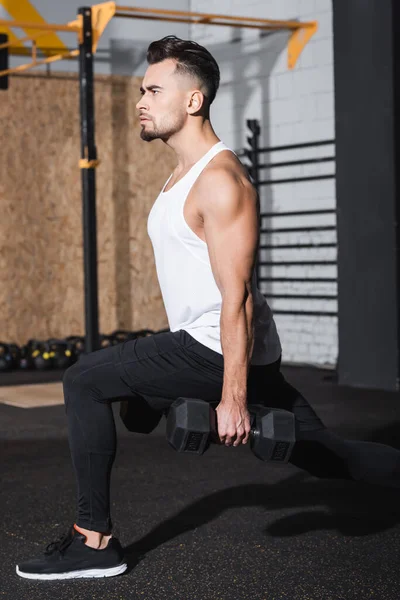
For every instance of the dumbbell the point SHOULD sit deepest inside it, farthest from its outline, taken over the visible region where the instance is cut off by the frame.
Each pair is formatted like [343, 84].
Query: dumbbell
[191, 427]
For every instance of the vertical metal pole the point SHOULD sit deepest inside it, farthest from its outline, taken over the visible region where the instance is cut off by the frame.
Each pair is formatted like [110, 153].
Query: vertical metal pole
[396, 151]
[253, 154]
[88, 151]
[4, 61]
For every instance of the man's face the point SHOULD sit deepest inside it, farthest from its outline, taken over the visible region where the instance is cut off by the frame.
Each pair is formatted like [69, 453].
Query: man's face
[163, 104]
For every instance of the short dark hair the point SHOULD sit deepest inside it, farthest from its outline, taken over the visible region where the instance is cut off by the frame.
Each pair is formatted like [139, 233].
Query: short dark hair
[192, 59]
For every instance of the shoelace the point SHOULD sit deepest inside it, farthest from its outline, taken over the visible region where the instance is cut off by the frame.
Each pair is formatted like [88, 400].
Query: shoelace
[60, 545]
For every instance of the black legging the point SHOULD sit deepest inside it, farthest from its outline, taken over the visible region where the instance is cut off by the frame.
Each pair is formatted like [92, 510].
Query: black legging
[162, 367]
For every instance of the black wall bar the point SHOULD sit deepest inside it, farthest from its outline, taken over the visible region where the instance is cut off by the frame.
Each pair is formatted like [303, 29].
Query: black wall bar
[252, 155]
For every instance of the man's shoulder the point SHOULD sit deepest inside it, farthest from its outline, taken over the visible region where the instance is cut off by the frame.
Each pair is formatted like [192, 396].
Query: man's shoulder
[225, 170]
[224, 186]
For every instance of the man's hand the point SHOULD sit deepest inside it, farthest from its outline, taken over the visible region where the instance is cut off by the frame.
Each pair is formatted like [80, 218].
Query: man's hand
[233, 423]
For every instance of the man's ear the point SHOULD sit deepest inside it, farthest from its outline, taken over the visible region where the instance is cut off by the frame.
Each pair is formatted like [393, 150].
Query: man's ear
[196, 102]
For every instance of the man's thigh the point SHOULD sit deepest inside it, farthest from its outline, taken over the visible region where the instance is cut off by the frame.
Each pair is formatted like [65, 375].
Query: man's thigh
[166, 366]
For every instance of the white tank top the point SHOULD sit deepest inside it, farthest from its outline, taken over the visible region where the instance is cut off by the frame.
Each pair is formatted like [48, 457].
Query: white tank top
[191, 296]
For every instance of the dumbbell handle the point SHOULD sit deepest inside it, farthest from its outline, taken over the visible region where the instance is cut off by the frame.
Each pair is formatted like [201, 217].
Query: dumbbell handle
[254, 432]
[192, 426]
[280, 450]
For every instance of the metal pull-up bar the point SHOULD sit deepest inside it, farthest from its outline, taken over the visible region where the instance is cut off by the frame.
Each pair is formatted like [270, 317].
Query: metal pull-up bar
[89, 26]
[302, 32]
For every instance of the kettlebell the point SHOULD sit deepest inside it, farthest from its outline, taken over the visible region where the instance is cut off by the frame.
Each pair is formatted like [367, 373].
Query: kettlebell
[7, 357]
[120, 335]
[61, 351]
[143, 333]
[16, 354]
[78, 345]
[40, 353]
[105, 341]
[25, 361]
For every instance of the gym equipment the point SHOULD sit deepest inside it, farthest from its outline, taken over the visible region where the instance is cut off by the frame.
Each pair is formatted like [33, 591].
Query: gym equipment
[121, 335]
[138, 416]
[9, 356]
[78, 345]
[6, 358]
[61, 353]
[143, 333]
[25, 361]
[191, 427]
[105, 341]
[41, 354]
[15, 353]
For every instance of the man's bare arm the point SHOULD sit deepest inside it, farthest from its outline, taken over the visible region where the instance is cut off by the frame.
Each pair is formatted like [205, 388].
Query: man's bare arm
[229, 211]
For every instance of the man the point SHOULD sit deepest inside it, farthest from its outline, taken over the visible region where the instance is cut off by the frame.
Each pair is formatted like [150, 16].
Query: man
[222, 346]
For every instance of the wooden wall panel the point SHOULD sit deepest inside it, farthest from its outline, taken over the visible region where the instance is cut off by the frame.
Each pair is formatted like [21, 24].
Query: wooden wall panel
[41, 257]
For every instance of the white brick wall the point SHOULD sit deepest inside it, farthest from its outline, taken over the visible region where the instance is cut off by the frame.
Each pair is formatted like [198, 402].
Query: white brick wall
[293, 107]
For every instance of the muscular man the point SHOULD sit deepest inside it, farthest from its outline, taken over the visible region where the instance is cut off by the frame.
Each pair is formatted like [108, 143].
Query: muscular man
[222, 346]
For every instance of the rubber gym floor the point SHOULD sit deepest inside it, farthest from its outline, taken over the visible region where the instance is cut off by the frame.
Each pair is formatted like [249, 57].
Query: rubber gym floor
[218, 527]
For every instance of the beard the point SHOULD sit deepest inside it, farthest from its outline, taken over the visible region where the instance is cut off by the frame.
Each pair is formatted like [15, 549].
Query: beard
[149, 135]
[167, 127]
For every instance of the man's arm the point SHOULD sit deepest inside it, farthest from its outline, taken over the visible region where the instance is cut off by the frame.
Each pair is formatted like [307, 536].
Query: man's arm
[229, 208]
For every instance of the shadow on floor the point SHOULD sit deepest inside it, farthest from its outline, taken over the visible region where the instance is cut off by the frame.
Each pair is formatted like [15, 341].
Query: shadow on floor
[353, 509]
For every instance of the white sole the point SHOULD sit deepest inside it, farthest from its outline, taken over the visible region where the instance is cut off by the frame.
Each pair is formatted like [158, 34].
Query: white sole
[76, 574]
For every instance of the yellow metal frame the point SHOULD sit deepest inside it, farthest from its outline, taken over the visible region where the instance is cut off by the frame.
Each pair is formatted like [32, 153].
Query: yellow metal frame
[104, 12]
[43, 28]
[302, 31]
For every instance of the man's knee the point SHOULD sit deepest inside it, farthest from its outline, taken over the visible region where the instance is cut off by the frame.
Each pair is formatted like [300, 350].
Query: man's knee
[70, 376]
[71, 379]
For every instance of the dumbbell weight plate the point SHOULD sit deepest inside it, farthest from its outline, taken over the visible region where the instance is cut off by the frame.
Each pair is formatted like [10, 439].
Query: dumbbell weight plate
[189, 425]
[273, 434]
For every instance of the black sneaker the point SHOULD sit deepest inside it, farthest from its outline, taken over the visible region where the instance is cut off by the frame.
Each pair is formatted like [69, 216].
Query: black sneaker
[70, 558]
